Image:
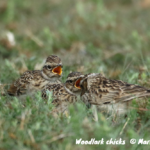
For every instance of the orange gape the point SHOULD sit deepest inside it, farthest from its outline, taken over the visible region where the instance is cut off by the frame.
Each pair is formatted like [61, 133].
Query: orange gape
[77, 84]
[57, 70]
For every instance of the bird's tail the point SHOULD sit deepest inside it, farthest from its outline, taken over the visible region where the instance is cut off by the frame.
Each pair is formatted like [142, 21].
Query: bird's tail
[142, 94]
[2, 89]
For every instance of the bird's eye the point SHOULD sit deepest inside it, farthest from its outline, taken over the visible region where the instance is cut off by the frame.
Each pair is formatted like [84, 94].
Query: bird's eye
[69, 81]
[49, 67]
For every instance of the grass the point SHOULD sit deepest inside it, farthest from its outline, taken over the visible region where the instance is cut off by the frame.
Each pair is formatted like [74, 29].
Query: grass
[111, 37]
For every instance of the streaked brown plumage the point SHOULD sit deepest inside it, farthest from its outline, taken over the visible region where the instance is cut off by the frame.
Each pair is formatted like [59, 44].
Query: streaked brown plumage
[103, 92]
[108, 95]
[62, 96]
[36, 80]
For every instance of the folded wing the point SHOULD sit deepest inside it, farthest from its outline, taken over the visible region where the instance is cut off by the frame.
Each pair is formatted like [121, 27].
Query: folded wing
[105, 91]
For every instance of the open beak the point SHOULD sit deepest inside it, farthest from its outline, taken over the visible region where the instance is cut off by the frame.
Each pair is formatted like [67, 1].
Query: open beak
[57, 70]
[77, 83]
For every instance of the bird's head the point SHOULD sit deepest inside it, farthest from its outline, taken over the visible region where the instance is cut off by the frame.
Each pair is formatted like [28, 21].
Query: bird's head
[88, 78]
[73, 82]
[52, 69]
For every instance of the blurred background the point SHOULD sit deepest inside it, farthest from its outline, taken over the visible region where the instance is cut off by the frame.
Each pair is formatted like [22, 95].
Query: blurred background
[102, 36]
[107, 36]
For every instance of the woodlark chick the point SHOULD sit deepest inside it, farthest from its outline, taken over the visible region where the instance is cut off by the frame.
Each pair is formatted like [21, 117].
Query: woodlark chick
[36, 80]
[64, 94]
[110, 94]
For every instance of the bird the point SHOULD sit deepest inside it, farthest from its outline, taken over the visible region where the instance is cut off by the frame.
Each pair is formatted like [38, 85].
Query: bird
[36, 80]
[108, 94]
[63, 94]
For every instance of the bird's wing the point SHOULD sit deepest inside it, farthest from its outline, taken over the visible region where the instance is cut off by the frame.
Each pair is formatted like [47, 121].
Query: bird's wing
[19, 87]
[105, 91]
